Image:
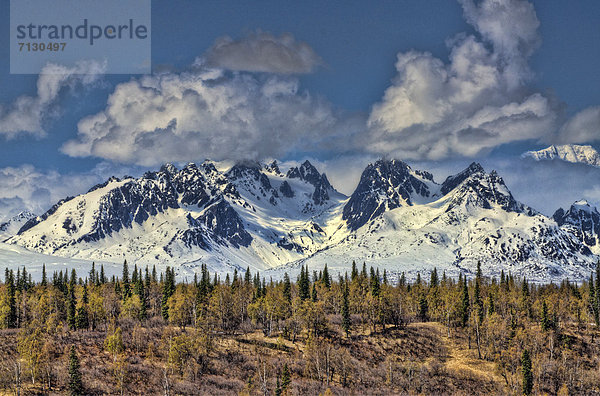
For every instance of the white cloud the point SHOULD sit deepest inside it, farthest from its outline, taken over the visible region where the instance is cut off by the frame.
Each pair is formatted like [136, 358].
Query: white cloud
[472, 104]
[262, 52]
[26, 114]
[583, 127]
[207, 114]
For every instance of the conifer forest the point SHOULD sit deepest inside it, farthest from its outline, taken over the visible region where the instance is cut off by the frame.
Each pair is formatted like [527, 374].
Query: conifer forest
[357, 333]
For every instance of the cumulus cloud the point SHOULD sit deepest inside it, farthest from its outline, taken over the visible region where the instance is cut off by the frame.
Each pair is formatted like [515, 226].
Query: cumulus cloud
[26, 114]
[27, 188]
[473, 103]
[207, 114]
[583, 127]
[262, 52]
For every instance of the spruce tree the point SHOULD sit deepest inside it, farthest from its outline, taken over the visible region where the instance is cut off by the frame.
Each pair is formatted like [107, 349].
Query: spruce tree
[167, 292]
[82, 319]
[304, 284]
[434, 278]
[593, 305]
[285, 378]
[545, 321]
[75, 385]
[314, 293]
[375, 285]
[71, 307]
[102, 275]
[491, 305]
[247, 276]
[527, 374]
[597, 300]
[11, 318]
[278, 388]
[423, 307]
[402, 281]
[44, 276]
[93, 273]
[325, 278]
[287, 288]
[354, 272]
[125, 286]
[464, 306]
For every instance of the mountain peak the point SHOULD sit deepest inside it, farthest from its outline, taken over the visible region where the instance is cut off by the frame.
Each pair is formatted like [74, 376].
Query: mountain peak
[574, 153]
[169, 168]
[308, 173]
[384, 185]
[452, 182]
[582, 220]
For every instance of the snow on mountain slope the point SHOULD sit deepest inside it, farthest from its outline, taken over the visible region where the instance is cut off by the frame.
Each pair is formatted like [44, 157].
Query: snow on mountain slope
[254, 215]
[569, 152]
[229, 218]
[476, 220]
[14, 224]
[583, 221]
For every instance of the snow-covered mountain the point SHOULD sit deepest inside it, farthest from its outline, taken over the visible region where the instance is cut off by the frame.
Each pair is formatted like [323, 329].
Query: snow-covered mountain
[569, 152]
[13, 225]
[583, 220]
[257, 215]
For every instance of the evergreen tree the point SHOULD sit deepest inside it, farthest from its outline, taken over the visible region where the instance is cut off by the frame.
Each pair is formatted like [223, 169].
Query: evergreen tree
[593, 305]
[346, 322]
[71, 307]
[304, 284]
[278, 388]
[375, 285]
[325, 278]
[93, 273]
[11, 318]
[285, 378]
[147, 281]
[248, 276]
[385, 279]
[314, 293]
[167, 292]
[102, 275]
[434, 278]
[75, 385]
[491, 305]
[402, 281]
[527, 374]
[597, 300]
[125, 286]
[134, 275]
[44, 276]
[464, 306]
[423, 307]
[545, 321]
[354, 272]
[287, 288]
[234, 282]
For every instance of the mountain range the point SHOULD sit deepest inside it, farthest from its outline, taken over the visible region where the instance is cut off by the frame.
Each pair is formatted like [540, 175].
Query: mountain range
[574, 153]
[260, 216]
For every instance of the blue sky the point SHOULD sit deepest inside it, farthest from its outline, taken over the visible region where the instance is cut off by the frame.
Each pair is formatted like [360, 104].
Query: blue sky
[345, 88]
